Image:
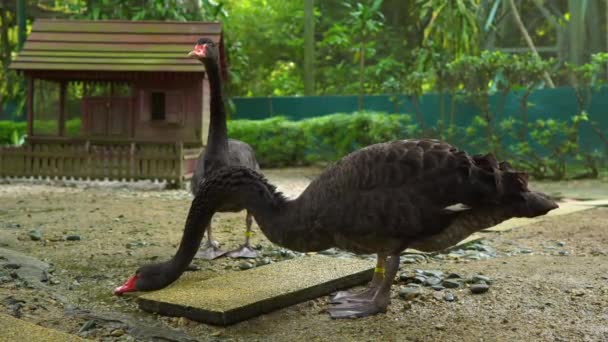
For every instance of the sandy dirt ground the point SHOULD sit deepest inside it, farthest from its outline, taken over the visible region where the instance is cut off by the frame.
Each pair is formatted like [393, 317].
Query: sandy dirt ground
[549, 281]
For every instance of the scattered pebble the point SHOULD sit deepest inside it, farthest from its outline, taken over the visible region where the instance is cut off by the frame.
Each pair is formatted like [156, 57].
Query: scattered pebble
[263, 261]
[409, 292]
[561, 243]
[479, 288]
[245, 265]
[450, 284]
[449, 297]
[481, 279]
[408, 260]
[431, 281]
[72, 238]
[433, 273]
[564, 253]
[35, 235]
[117, 332]
[331, 251]
[88, 325]
[526, 251]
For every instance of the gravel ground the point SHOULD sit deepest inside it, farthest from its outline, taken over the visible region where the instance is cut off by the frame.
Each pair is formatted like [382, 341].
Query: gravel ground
[547, 281]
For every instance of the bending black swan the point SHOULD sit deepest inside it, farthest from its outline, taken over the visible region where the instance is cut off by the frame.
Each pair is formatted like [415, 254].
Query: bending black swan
[381, 199]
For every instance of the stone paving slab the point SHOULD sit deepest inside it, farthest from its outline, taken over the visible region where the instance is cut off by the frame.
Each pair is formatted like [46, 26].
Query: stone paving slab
[241, 295]
[13, 330]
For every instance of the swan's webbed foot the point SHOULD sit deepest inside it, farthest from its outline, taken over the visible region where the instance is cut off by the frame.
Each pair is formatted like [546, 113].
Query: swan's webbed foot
[209, 251]
[371, 301]
[356, 309]
[245, 251]
[342, 297]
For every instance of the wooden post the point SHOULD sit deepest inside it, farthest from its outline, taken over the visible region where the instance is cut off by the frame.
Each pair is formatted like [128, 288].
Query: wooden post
[62, 91]
[30, 106]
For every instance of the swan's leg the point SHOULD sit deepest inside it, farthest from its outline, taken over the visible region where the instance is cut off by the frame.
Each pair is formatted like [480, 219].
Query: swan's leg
[368, 293]
[245, 250]
[211, 249]
[379, 302]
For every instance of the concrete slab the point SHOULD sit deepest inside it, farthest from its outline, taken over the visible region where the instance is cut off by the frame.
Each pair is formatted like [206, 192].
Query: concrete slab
[13, 329]
[241, 295]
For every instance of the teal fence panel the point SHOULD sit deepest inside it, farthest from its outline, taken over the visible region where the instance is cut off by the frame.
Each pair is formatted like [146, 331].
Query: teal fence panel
[558, 103]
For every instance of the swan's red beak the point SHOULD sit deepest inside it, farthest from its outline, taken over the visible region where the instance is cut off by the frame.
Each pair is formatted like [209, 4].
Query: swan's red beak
[128, 286]
[200, 51]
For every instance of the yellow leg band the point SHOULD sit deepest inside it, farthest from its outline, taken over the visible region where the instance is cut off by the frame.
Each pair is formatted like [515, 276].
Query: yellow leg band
[248, 233]
[379, 270]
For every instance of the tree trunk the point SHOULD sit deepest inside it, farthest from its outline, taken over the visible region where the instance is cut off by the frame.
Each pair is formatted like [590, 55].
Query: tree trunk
[309, 48]
[361, 76]
[529, 41]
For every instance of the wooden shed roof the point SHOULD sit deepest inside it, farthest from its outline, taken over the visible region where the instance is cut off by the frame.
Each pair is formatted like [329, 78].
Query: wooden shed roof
[114, 45]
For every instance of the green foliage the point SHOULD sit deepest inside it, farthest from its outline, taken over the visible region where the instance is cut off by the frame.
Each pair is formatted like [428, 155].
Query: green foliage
[12, 132]
[280, 142]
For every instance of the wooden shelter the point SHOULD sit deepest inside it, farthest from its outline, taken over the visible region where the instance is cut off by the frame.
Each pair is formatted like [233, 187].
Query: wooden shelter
[150, 124]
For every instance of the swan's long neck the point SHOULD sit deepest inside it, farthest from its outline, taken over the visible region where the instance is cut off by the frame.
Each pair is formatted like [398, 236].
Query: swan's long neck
[217, 142]
[198, 220]
[292, 225]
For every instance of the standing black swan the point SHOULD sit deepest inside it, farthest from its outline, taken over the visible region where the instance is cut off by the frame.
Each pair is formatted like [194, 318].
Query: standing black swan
[220, 150]
[381, 199]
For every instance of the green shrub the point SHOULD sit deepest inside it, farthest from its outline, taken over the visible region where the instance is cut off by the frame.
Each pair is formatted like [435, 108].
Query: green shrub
[11, 132]
[280, 142]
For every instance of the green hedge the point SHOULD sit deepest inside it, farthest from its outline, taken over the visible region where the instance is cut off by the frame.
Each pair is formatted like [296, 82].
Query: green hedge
[11, 131]
[280, 142]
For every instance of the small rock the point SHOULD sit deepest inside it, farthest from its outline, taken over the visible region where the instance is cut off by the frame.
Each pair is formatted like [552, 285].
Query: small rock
[564, 253]
[431, 281]
[331, 251]
[404, 277]
[117, 332]
[454, 276]
[245, 265]
[437, 287]
[408, 261]
[12, 266]
[526, 251]
[35, 235]
[182, 322]
[433, 273]
[409, 293]
[419, 279]
[480, 279]
[88, 325]
[561, 243]
[439, 326]
[450, 284]
[192, 268]
[72, 238]
[449, 297]
[263, 261]
[480, 288]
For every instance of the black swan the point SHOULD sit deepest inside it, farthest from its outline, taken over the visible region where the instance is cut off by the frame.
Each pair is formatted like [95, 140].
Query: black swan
[220, 150]
[381, 199]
